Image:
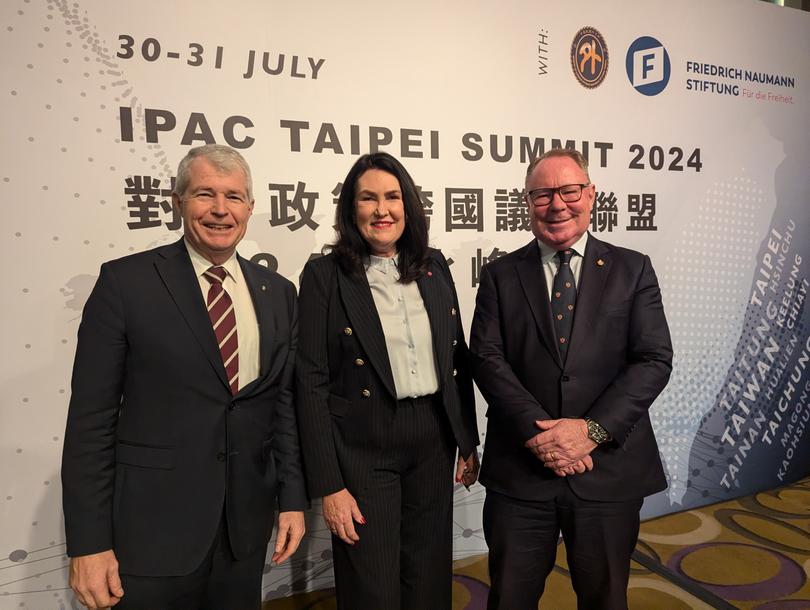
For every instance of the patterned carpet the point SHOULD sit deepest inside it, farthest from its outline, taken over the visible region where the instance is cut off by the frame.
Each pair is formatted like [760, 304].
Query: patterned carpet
[751, 553]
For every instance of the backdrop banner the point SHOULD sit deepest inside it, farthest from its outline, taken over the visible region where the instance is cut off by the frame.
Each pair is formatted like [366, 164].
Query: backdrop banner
[694, 116]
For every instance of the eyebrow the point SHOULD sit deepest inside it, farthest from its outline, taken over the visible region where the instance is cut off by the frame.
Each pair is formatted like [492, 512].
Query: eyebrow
[214, 190]
[370, 192]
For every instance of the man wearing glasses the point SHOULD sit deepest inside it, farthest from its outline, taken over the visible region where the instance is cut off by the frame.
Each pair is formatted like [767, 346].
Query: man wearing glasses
[570, 348]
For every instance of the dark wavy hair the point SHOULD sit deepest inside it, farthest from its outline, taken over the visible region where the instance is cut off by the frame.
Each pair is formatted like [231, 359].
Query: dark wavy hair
[351, 249]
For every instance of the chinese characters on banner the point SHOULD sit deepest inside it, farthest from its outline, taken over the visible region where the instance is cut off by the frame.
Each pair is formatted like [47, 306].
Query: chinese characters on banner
[293, 206]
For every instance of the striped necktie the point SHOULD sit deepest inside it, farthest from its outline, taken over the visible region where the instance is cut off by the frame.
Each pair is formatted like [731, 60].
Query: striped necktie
[223, 317]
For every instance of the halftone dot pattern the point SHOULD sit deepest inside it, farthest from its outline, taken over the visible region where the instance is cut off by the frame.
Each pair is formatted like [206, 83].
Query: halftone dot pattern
[53, 43]
[705, 285]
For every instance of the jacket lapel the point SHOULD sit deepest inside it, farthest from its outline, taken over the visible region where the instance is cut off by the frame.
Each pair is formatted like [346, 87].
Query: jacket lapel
[438, 303]
[533, 280]
[177, 273]
[365, 322]
[263, 306]
[595, 270]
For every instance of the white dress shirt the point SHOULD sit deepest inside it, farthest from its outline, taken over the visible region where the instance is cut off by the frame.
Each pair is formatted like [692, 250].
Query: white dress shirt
[404, 319]
[548, 255]
[247, 326]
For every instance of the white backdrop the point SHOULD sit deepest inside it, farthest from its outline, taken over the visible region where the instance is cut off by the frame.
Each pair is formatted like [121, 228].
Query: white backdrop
[709, 124]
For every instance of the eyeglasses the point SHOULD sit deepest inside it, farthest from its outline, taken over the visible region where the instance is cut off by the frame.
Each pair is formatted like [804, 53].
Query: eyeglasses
[569, 193]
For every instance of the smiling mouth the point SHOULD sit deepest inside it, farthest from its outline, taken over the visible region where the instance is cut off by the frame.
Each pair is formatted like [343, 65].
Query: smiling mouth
[382, 225]
[213, 227]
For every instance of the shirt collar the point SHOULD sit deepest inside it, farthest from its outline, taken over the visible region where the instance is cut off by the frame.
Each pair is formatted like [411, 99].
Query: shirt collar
[202, 264]
[381, 263]
[547, 253]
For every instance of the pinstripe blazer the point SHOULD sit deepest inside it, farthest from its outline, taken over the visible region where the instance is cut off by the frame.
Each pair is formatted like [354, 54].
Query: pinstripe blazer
[344, 384]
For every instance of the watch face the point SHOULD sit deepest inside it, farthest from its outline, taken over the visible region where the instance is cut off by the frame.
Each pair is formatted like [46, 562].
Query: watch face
[596, 433]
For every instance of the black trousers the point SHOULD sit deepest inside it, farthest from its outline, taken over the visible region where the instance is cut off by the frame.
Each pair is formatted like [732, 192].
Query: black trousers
[404, 558]
[522, 537]
[220, 583]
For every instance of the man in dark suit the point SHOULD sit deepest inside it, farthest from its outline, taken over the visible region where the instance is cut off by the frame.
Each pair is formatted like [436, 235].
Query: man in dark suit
[570, 348]
[181, 431]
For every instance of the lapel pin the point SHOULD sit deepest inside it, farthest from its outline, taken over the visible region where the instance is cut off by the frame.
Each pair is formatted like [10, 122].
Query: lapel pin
[430, 274]
[600, 263]
[264, 287]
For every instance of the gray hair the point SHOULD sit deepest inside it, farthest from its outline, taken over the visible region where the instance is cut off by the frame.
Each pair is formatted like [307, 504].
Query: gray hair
[224, 158]
[572, 154]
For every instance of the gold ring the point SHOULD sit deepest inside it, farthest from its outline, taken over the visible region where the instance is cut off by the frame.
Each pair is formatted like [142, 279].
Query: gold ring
[553, 459]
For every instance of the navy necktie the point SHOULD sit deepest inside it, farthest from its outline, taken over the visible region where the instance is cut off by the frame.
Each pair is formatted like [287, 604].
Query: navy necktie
[563, 299]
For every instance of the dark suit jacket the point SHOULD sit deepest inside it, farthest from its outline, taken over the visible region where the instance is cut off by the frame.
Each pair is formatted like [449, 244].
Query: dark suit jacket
[619, 360]
[344, 383]
[155, 444]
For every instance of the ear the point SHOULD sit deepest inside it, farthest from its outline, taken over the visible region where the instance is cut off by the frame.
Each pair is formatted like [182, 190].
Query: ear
[590, 193]
[177, 202]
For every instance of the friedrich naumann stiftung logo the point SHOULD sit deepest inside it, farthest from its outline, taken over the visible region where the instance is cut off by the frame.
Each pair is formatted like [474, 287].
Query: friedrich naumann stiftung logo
[648, 66]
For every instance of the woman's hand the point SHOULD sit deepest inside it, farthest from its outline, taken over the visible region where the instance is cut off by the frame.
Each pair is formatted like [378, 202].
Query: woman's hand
[467, 470]
[340, 511]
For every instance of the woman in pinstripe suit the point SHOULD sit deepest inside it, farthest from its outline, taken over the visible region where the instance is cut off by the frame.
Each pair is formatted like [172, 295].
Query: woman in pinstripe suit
[385, 396]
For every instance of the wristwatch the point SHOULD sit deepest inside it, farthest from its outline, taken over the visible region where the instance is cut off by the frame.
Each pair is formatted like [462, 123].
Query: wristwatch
[596, 432]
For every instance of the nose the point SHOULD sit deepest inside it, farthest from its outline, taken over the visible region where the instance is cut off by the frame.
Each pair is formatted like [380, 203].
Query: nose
[381, 209]
[556, 202]
[219, 205]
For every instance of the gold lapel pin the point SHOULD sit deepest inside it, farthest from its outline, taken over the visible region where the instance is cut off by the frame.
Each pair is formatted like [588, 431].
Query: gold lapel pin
[600, 263]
